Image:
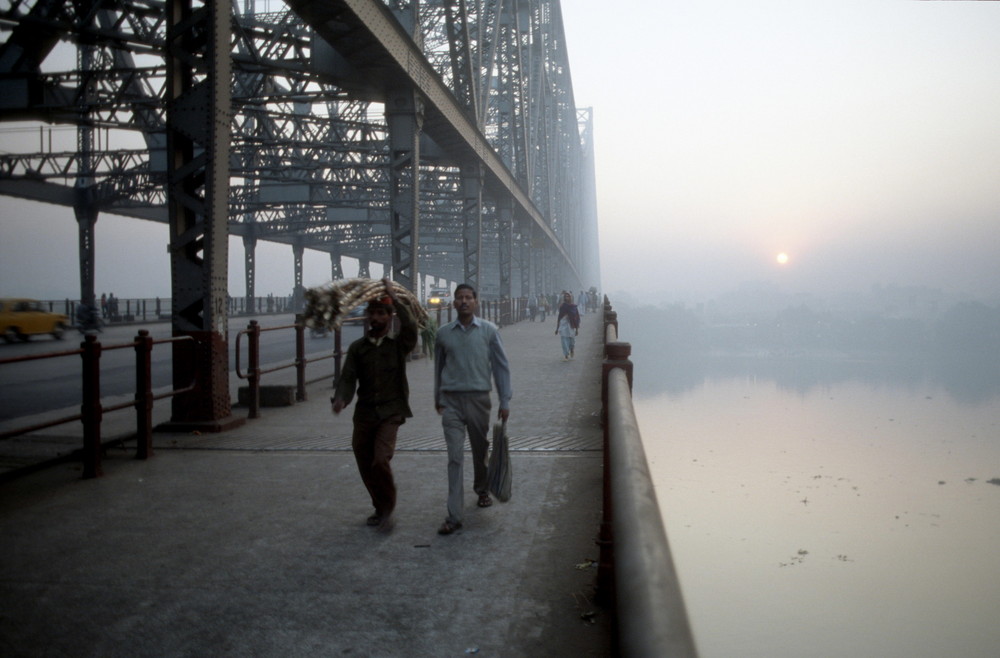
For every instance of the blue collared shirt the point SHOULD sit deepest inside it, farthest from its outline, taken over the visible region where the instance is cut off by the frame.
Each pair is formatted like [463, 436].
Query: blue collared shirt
[466, 357]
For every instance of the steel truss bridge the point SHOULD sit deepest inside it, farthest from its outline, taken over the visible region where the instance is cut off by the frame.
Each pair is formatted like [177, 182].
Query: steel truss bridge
[437, 137]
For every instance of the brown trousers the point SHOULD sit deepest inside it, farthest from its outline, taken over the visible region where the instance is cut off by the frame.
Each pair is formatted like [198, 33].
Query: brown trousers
[374, 442]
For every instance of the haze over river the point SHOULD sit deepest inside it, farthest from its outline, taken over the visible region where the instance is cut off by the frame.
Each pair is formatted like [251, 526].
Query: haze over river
[823, 505]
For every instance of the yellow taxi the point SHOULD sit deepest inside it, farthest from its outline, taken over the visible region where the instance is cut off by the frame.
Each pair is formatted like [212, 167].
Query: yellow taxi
[439, 297]
[20, 319]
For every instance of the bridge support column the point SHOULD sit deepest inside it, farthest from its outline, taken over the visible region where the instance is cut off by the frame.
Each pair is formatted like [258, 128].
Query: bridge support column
[472, 221]
[298, 290]
[86, 219]
[198, 129]
[524, 258]
[505, 223]
[250, 274]
[405, 117]
[505, 226]
[336, 267]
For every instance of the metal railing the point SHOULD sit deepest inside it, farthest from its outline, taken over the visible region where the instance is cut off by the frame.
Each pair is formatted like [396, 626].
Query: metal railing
[255, 372]
[635, 571]
[150, 309]
[92, 409]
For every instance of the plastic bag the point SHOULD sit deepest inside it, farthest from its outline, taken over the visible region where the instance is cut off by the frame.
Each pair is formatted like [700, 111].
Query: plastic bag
[498, 477]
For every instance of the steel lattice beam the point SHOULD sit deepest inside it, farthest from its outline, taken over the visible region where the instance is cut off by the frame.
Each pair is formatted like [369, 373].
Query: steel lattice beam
[310, 137]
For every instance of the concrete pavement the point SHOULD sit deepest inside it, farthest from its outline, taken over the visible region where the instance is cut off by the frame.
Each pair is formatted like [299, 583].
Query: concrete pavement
[253, 542]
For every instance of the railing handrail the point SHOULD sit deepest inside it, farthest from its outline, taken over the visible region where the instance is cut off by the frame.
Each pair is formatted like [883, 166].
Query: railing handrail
[92, 409]
[649, 607]
[652, 619]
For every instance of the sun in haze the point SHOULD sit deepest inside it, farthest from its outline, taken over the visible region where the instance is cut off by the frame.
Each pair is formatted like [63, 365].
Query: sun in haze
[782, 258]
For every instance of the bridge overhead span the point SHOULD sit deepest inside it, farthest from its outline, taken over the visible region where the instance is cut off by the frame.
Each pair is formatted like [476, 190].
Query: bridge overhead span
[380, 54]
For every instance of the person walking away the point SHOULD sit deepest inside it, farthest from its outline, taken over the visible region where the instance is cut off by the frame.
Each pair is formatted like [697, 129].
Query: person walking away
[568, 325]
[532, 307]
[467, 353]
[376, 365]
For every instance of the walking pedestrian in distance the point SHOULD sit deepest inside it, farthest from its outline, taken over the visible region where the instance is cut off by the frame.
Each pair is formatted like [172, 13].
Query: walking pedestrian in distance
[468, 352]
[376, 364]
[568, 325]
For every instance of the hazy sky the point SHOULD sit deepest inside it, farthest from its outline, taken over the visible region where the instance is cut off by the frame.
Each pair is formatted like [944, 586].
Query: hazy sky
[860, 137]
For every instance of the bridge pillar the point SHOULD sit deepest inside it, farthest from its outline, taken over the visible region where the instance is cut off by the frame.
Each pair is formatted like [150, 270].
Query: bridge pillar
[298, 290]
[405, 117]
[336, 267]
[250, 274]
[524, 258]
[505, 222]
[472, 221]
[86, 218]
[198, 132]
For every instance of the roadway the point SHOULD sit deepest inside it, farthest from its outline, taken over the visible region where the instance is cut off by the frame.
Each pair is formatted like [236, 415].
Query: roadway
[34, 387]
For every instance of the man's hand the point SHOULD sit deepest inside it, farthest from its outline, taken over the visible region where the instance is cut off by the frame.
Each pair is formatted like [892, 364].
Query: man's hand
[440, 410]
[503, 414]
[338, 405]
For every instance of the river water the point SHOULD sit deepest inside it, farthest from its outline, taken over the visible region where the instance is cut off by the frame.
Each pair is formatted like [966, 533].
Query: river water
[823, 507]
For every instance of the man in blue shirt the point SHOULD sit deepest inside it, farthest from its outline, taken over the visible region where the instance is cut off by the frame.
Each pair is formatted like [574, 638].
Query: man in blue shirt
[467, 353]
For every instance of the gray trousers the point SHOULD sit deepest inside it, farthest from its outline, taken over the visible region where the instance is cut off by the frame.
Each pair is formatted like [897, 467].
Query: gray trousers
[467, 410]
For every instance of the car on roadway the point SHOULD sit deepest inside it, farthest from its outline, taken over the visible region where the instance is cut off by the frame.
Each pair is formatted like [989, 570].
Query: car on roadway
[439, 297]
[20, 319]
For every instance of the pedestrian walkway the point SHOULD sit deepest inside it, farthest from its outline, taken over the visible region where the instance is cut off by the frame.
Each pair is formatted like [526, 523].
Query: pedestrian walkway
[253, 541]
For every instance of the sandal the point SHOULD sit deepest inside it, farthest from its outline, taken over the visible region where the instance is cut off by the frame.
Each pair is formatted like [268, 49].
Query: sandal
[484, 500]
[448, 527]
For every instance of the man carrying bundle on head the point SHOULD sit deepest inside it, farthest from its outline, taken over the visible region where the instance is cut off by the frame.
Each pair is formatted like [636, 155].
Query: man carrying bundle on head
[376, 365]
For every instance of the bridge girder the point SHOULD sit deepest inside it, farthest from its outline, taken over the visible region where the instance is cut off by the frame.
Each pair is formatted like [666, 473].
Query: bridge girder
[309, 132]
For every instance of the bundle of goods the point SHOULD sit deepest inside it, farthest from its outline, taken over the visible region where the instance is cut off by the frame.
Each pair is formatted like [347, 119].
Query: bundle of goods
[328, 305]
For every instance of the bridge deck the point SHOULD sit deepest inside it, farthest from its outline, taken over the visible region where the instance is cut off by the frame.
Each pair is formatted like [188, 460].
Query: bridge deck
[253, 542]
